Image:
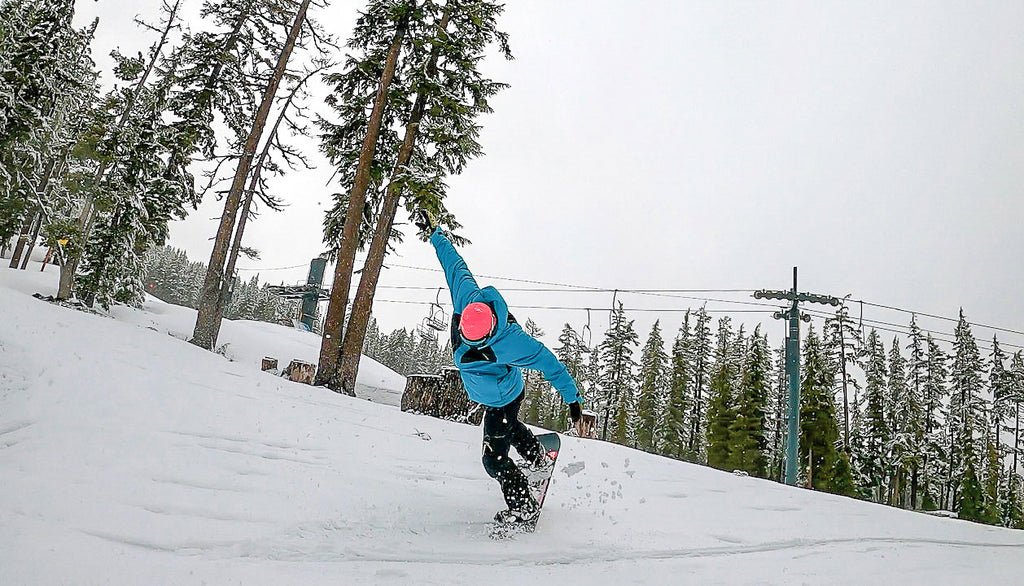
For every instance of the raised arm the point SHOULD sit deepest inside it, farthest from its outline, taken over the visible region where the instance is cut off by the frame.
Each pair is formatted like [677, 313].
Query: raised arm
[460, 280]
[528, 352]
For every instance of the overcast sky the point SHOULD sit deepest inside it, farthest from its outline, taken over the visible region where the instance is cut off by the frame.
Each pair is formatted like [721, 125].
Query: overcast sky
[879, 146]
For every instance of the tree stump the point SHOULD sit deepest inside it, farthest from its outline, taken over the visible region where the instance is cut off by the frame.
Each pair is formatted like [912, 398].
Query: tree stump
[441, 396]
[301, 372]
[588, 425]
[269, 363]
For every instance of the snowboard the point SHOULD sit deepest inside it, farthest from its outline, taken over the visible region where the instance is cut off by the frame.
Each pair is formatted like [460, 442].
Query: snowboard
[539, 481]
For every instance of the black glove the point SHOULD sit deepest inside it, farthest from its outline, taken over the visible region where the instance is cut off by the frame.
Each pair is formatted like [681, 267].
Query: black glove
[424, 220]
[575, 412]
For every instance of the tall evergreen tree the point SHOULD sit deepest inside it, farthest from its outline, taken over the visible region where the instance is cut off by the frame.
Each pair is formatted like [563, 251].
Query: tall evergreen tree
[749, 438]
[875, 428]
[898, 412]
[966, 424]
[440, 133]
[674, 430]
[572, 353]
[841, 339]
[701, 355]
[721, 412]
[819, 432]
[936, 448]
[617, 384]
[653, 393]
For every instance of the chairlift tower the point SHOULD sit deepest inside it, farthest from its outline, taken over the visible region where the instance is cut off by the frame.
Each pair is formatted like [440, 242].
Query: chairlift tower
[793, 362]
[310, 293]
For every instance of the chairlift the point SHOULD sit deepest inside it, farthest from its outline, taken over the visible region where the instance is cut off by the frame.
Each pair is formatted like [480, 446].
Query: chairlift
[586, 334]
[434, 322]
[436, 319]
[426, 333]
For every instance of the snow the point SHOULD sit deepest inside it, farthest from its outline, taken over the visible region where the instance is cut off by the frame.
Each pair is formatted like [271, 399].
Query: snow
[129, 456]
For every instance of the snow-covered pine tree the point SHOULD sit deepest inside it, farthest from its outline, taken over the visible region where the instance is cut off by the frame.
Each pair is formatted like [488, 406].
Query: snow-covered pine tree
[701, 356]
[1000, 387]
[898, 412]
[992, 485]
[967, 426]
[47, 80]
[777, 418]
[721, 412]
[872, 464]
[819, 431]
[1017, 397]
[617, 383]
[936, 456]
[535, 387]
[908, 441]
[674, 430]
[571, 352]
[841, 344]
[139, 196]
[652, 394]
[749, 439]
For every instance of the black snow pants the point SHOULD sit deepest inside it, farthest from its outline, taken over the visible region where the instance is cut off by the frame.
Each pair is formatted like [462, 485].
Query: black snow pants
[502, 429]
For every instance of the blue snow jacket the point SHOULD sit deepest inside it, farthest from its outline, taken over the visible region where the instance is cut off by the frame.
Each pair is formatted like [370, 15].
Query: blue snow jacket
[490, 369]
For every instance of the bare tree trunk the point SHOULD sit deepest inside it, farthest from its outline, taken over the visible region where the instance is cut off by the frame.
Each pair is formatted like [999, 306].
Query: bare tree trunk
[86, 218]
[46, 259]
[37, 224]
[19, 248]
[203, 335]
[328, 372]
[236, 245]
[355, 333]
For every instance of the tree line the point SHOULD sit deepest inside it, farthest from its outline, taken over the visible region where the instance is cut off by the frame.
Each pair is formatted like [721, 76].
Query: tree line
[171, 277]
[907, 424]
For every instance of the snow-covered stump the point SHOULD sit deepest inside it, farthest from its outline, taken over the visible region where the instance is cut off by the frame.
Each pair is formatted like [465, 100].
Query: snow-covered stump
[269, 364]
[441, 396]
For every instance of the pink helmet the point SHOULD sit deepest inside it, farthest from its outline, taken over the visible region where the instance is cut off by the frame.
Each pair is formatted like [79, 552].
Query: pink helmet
[477, 322]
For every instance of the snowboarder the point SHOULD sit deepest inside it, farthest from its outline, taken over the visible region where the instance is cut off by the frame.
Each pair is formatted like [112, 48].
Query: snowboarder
[489, 349]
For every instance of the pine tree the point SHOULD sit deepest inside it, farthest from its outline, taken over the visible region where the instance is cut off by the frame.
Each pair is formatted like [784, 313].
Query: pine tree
[819, 432]
[936, 453]
[673, 433]
[209, 306]
[1016, 396]
[440, 133]
[696, 446]
[971, 498]
[617, 384]
[966, 424]
[749, 439]
[570, 352]
[653, 392]
[898, 411]
[915, 435]
[47, 82]
[841, 343]
[777, 422]
[535, 395]
[1000, 386]
[721, 412]
[875, 425]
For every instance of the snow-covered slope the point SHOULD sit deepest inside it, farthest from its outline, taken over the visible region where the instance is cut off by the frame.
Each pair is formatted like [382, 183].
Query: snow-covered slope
[129, 456]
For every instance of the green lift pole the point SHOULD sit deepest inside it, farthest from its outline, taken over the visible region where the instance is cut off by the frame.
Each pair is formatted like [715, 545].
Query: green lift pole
[793, 363]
